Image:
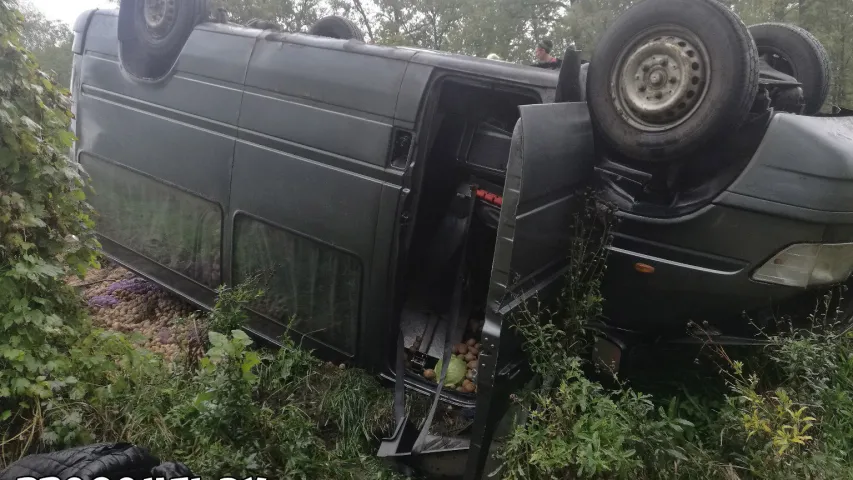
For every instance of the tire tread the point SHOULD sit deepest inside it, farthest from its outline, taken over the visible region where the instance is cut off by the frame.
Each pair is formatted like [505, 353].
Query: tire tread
[822, 56]
[752, 59]
[346, 23]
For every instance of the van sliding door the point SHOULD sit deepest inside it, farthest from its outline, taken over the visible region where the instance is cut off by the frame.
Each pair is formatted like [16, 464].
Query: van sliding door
[551, 159]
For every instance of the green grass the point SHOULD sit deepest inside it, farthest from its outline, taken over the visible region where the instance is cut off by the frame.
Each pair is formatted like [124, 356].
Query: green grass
[240, 409]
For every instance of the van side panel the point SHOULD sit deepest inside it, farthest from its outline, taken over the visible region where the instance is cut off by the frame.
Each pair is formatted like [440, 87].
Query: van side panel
[333, 210]
[413, 92]
[181, 153]
[206, 84]
[316, 200]
[324, 73]
[101, 34]
[313, 200]
[338, 133]
[218, 52]
[160, 155]
[344, 103]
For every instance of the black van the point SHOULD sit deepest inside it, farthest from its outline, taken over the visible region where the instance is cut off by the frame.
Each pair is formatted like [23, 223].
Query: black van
[402, 203]
[342, 178]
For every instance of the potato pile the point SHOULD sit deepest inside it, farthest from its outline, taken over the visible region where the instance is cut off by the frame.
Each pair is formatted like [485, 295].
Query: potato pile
[468, 352]
[122, 302]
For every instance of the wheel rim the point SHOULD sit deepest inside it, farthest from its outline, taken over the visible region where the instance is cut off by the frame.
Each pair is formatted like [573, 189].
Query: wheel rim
[660, 78]
[159, 16]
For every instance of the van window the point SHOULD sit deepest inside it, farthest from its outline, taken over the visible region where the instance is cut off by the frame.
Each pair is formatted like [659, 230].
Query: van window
[172, 227]
[315, 285]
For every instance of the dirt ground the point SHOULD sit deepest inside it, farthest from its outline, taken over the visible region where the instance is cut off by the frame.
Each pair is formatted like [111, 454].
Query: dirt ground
[122, 301]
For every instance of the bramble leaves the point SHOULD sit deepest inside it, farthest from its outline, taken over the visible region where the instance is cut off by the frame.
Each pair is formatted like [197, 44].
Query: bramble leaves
[45, 234]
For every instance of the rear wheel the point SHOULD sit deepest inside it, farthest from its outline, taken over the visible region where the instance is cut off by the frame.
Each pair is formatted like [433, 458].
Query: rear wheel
[796, 52]
[155, 32]
[162, 26]
[337, 27]
[669, 76]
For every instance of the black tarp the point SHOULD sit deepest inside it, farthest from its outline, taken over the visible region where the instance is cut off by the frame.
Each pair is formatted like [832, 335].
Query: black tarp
[110, 460]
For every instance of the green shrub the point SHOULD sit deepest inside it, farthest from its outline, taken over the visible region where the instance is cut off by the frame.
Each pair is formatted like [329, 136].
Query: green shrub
[45, 234]
[577, 428]
[793, 416]
[281, 413]
[787, 416]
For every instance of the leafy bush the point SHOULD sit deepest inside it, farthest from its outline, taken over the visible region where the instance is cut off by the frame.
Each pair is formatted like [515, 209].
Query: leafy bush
[45, 234]
[577, 428]
[793, 416]
[580, 429]
[787, 415]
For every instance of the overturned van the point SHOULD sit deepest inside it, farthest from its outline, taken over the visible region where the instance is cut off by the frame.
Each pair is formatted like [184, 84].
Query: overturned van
[400, 204]
[348, 182]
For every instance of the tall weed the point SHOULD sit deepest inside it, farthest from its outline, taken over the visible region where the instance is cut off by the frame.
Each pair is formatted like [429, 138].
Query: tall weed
[788, 415]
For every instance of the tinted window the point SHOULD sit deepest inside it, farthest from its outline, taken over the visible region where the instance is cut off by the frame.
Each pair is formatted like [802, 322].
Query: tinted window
[170, 226]
[314, 284]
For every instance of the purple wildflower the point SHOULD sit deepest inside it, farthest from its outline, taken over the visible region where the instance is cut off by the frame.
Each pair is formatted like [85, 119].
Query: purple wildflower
[120, 285]
[103, 301]
[133, 285]
[165, 335]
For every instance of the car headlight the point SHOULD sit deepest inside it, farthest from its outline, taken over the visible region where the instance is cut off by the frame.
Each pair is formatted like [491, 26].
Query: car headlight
[808, 265]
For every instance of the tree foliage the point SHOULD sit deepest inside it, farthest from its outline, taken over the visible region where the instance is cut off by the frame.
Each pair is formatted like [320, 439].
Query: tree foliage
[49, 40]
[292, 15]
[511, 28]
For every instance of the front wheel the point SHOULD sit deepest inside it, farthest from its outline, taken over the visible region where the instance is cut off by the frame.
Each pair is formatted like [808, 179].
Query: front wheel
[671, 75]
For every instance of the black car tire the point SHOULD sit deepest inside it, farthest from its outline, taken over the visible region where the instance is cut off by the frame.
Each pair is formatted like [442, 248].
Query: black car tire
[153, 33]
[168, 39]
[337, 27]
[696, 55]
[796, 52]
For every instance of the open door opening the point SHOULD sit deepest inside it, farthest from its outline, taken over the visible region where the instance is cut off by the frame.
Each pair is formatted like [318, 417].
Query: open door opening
[492, 217]
[550, 158]
[471, 130]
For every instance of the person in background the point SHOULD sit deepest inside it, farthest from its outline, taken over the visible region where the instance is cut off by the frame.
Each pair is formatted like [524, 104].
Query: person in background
[544, 58]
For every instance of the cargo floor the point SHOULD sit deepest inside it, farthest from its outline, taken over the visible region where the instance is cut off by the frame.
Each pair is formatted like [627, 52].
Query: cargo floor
[425, 331]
